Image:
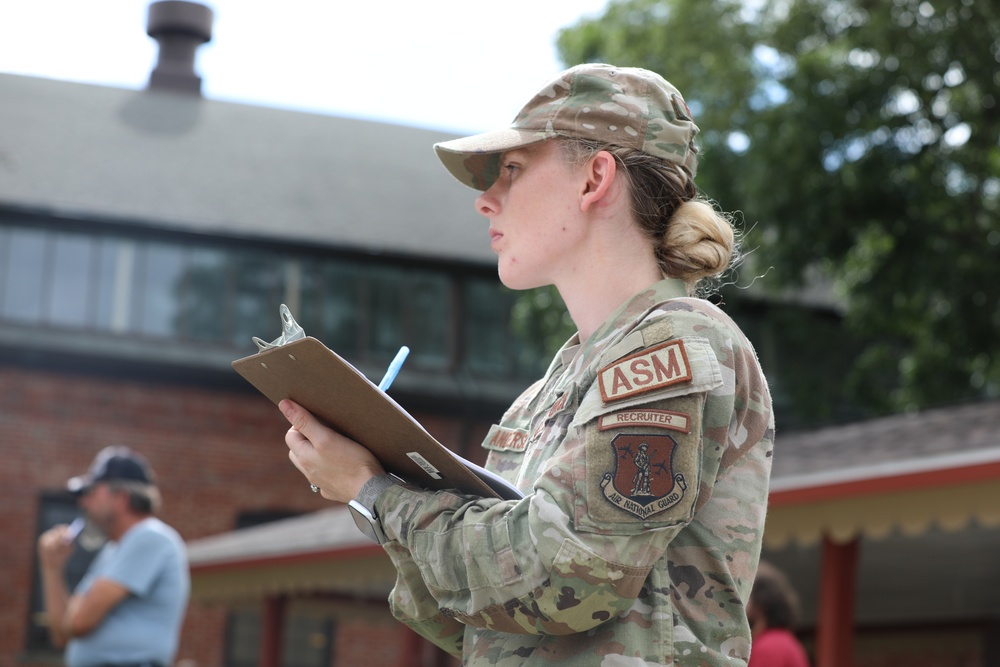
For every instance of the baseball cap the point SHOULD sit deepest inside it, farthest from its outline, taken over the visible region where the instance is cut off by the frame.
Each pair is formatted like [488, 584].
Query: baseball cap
[113, 463]
[624, 106]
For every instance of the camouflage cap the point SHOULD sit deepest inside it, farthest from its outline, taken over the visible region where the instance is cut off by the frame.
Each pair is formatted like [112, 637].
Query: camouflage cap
[623, 106]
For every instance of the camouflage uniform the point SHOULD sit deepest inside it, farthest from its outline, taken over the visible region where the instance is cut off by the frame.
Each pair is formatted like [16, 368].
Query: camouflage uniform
[644, 456]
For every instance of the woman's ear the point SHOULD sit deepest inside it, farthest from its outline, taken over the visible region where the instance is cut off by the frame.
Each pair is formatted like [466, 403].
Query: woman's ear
[599, 175]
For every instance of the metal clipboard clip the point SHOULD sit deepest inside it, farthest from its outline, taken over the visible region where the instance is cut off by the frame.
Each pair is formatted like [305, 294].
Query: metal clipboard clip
[290, 330]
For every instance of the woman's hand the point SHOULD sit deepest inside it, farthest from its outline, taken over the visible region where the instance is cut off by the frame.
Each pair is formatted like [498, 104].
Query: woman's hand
[336, 464]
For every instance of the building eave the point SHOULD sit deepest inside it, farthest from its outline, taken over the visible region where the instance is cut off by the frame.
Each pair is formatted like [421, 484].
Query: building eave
[949, 492]
[924, 473]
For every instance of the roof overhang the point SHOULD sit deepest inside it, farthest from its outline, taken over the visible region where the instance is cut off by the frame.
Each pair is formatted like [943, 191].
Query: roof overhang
[948, 491]
[323, 552]
[314, 554]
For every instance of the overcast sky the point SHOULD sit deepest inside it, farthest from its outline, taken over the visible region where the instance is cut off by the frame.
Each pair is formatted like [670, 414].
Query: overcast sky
[457, 65]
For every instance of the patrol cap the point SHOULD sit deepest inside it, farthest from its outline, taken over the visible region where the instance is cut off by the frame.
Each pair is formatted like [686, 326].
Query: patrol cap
[114, 463]
[624, 106]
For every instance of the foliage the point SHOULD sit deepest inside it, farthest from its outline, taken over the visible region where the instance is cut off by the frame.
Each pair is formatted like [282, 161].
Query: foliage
[539, 319]
[861, 140]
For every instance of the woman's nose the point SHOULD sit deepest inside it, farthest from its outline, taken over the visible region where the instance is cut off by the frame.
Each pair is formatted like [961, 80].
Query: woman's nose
[487, 204]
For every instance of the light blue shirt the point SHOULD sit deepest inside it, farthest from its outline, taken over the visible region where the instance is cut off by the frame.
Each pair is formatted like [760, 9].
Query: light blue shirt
[151, 562]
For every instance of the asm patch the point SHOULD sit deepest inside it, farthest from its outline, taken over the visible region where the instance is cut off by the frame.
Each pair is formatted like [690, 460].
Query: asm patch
[675, 421]
[651, 369]
[643, 481]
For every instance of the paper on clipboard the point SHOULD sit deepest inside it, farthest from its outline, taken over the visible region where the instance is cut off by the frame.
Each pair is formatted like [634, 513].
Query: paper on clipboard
[301, 368]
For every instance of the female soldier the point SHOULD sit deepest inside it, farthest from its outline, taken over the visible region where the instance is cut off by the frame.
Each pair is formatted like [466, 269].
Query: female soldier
[591, 190]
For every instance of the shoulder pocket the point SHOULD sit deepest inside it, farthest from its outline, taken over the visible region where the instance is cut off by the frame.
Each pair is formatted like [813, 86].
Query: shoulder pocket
[677, 367]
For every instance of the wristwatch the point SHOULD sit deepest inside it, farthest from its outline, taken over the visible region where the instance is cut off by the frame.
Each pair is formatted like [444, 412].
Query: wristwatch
[363, 507]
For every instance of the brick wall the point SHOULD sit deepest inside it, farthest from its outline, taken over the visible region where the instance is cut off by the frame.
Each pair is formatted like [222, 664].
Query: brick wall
[368, 643]
[920, 647]
[217, 454]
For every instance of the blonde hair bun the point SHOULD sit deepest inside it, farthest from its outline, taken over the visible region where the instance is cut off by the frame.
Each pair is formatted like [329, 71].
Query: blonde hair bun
[698, 243]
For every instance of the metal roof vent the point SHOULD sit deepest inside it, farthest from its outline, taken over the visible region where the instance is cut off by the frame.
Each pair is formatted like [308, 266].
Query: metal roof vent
[180, 28]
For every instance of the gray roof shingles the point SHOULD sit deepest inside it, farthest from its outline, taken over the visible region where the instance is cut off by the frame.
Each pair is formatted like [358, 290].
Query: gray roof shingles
[179, 161]
[910, 437]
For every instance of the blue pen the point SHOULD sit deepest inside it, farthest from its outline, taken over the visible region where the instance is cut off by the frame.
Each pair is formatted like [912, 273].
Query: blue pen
[393, 369]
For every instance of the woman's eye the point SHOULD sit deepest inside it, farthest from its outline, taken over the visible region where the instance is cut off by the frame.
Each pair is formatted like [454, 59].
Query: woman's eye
[510, 168]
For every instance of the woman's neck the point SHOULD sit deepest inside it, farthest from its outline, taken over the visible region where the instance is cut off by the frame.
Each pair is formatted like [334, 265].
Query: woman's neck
[614, 261]
[590, 302]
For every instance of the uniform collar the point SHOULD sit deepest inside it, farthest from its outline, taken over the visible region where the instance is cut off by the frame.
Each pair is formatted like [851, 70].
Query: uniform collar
[633, 307]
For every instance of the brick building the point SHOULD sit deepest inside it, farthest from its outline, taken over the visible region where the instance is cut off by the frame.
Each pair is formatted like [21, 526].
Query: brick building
[145, 237]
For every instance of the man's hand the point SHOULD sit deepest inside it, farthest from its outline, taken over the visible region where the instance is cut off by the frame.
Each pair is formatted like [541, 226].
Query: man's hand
[54, 549]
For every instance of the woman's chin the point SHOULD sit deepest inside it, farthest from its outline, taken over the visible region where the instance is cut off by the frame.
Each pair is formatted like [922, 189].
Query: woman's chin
[516, 282]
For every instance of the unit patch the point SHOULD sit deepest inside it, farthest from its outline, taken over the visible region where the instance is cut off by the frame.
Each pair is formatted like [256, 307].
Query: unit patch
[651, 369]
[676, 421]
[643, 481]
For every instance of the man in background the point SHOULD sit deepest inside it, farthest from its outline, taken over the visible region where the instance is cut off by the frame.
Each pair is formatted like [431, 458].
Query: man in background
[128, 609]
[772, 612]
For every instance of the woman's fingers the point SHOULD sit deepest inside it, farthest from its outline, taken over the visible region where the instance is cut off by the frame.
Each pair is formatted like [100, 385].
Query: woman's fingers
[301, 420]
[328, 459]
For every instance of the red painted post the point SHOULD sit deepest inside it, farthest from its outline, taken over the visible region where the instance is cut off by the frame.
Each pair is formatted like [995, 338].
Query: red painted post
[835, 621]
[272, 625]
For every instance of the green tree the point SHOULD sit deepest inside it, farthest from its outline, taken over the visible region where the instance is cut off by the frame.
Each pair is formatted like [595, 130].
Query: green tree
[861, 141]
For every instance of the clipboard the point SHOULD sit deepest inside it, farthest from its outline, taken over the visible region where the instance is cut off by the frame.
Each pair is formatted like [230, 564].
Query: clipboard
[303, 369]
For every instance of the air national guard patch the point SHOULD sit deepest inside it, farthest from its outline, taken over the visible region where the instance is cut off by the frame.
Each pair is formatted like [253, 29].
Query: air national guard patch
[651, 369]
[644, 482]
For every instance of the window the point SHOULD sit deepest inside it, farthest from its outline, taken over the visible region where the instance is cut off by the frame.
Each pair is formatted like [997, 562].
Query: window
[307, 638]
[158, 274]
[492, 348]
[259, 286]
[25, 274]
[426, 318]
[408, 307]
[330, 301]
[193, 291]
[205, 301]
[112, 284]
[73, 258]
[243, 638]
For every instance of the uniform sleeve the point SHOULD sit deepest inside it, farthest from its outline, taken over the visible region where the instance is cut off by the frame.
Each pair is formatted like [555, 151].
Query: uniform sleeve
[412, 604]
[621, 480]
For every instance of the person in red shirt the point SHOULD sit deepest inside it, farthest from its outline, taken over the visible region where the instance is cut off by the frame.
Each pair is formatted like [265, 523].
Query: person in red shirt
[772, 610]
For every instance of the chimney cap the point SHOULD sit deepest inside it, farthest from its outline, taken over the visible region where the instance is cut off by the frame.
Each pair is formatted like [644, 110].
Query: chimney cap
[179, 17]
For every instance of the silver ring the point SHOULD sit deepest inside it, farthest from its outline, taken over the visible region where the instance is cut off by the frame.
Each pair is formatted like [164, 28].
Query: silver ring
[315, 489]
